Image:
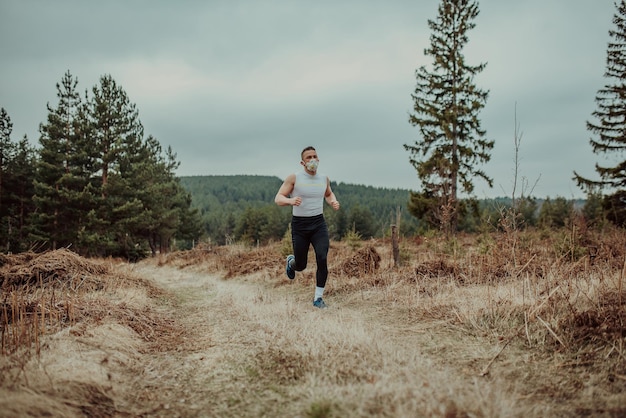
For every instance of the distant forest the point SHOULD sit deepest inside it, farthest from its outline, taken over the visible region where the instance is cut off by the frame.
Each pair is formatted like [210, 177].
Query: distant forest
[241, 208]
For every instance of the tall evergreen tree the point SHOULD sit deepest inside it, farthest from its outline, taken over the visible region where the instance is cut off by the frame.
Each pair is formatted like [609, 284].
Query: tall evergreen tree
[60, 178]
[191, 228]
[609, 119]
[115, 139]
[22, 190]
[446, 108]
[141, 206]
[16, 187]
[7, 150]
[7, 154]
[165, 205]
[117, 131]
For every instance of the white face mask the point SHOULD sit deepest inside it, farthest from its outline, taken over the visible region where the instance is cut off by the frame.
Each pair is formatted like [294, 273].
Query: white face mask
[312, 165]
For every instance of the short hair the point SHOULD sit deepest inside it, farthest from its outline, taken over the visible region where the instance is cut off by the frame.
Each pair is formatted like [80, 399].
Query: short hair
[309, 148]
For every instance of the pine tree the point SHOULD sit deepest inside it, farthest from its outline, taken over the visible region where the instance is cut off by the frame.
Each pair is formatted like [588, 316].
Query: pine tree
[23, 170]
[60, 179]
[141, 206]
[7, 153]
[117, 131]
[162, 198]
[191, 227]
[609, 124]
[114, 139]
[16, 187]
[446, 108]
[7, 150]
[249, 226]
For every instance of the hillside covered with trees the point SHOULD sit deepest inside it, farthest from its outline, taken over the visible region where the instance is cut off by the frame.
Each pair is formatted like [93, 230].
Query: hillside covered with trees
[241, 208]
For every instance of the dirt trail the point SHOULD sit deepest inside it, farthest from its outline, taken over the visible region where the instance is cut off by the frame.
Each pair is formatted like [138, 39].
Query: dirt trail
[251, 347]
[171, 337]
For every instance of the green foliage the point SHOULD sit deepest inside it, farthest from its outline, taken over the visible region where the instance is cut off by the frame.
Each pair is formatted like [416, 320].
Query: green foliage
[527, 211]
[555, 213]
[614, 206]
[370, 209]
[424, 206]
[609, 124]
[405, 255]
[507, 215]
[451, 246]
[469, 215]
[446, 108]
[428, 208]
[16, 187]
[242, 207]
[234, 207]
[61, 176]
[323, 409]
[362, 221]
[100, 186]
[485, 243]
[353, 239]
[593, 210]
[212, 191]
[260, 225]
[568, 243]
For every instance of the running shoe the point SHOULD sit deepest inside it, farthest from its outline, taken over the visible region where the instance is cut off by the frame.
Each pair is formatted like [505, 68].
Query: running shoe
[291, 273]
[319, 303]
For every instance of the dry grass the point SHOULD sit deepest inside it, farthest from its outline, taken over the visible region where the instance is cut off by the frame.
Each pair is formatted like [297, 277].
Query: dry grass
[531, 324]
[557, 299]
[44, 293]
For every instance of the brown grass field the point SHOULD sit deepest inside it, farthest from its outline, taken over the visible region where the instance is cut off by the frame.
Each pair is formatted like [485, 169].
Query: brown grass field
[524, 324]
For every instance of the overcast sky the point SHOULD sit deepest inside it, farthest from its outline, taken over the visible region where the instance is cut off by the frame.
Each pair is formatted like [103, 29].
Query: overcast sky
[240, 87]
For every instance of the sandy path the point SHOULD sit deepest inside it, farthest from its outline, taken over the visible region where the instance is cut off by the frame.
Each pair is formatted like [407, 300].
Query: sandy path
[171, 342]
[256, 349]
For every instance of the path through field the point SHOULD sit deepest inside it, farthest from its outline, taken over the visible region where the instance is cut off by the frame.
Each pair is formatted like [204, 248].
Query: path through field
[252, 348]
[163, 341]
[223, 333]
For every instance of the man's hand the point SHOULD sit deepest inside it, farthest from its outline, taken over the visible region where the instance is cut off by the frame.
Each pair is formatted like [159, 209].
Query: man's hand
[335, 204]
[296, 201]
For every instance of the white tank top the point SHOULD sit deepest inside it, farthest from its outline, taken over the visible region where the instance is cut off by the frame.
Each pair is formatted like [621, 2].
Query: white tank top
[312, 190]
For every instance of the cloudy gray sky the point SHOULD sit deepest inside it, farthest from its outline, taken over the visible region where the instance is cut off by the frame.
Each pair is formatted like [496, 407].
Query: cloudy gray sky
[240, 87]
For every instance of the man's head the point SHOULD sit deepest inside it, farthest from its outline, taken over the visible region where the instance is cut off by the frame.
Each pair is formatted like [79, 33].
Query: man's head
[310, 160]
[309, 148]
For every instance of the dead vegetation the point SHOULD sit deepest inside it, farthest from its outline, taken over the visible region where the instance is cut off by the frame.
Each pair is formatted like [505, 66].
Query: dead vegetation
[556, 303]
[544, 312]
[44, 293]
[365, 261]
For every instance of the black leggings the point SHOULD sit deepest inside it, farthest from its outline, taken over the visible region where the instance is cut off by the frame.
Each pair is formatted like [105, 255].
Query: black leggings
[307, 231]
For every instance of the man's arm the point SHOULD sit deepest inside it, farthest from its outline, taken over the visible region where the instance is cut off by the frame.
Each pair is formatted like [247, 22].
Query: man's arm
[282, 197]
[330, 196]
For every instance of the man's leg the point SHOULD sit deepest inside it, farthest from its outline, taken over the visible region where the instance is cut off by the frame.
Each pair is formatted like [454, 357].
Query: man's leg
[321, 244]
[300, 241]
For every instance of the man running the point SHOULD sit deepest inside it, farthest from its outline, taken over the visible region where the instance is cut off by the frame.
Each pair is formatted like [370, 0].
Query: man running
[305, 192]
